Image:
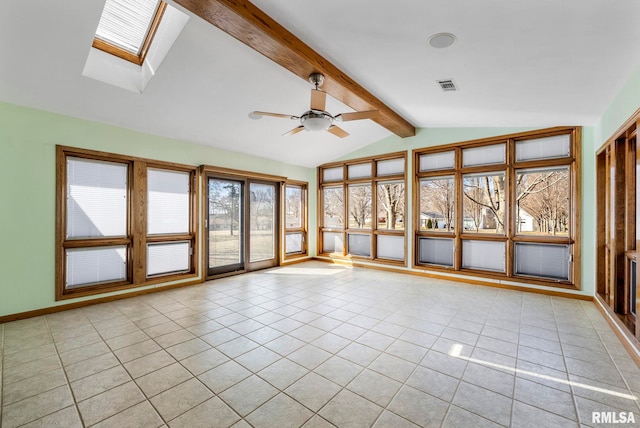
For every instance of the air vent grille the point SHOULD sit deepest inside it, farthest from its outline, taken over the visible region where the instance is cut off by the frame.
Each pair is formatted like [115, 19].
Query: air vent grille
[447, 85]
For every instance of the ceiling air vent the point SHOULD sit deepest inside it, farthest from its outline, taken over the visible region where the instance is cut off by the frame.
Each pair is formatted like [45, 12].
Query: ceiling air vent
[447, 85]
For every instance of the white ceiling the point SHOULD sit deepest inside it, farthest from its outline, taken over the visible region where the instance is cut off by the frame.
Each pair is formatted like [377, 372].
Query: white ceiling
[517, 63]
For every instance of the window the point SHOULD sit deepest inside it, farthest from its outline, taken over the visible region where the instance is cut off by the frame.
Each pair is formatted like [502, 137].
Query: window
[501, 207]
[295, 219]
[363, 215]
[127, 27]
[125, 222]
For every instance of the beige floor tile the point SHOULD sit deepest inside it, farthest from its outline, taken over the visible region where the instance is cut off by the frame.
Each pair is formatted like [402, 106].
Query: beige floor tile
[245, 396]
[433, 382]
[100, 382]
[118, 330]
[457, 418]
[543, 397]
[220, 336]
[282, 412]
[258, 358]
[136, 351]
[223, 376]
[128, 339]
[149, 363]
[204, 361]
[12, 359]
[36, 407]
[338, 370]
[174, 338]
[486, 377]
[389, 419]
[34, 368]
[527, 416]
[285, 344]
[237, 347]
[349, 409]
[109, 403]
[90, 367]
[213, 413]
[78, 342]
[84, 353]
[313, 390]
[393, 367]
[282, 373]
[167, 377]
[162, 329]
[374, 387]
[65, 418]
[187, 349]
[34, 385]
[309, 356]
[180, 399]
[483, 402]
[152, 321]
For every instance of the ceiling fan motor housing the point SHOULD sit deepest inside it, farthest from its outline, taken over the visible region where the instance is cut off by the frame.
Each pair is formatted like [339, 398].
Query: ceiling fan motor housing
[316, 120]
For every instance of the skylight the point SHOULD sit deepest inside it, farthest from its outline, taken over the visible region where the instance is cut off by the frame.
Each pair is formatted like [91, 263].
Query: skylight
[127, 27]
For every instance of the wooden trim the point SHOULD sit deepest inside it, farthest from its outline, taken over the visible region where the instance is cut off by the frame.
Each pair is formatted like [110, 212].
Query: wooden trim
[630, 343]
[244, 21]
[622, 129]
[139, 58]
[237, 173]
[106, 299]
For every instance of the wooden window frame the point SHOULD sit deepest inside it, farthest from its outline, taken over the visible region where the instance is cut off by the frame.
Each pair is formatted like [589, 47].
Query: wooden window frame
[510, 237]
[124, 54]
[136, 238]
[373, 181]
[303, 229]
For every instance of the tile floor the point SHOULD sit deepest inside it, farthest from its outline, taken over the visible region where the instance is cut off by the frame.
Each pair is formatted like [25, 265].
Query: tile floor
[317, 345]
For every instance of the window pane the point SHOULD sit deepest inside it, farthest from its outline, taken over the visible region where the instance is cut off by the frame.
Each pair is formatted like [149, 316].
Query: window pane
[167, 258]
[293, 207]
[332, 174]
[293, 243]
[390, 167]
[543, 201]
[96, 265]
[261, 221]
[543, 148]
[361, 170]
[168, 202]
[486, 155]
[360, 206]
[391, 205]
[484, 203]
[333, 201]
[125, 23]
[437, 204]
[485, 255]
[359, 245]
[390, 247]
[332, 242]
[543, 260]
[96, 198]
[436, 161]
[436, 251]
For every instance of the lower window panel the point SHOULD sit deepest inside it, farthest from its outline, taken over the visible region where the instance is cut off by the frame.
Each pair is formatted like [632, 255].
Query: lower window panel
[166, 258]
[359, 245]
[543, 260]
[332, 242]
[436, 251]
[96, 265]
[483, 255]
[390, 247]
[293, 243]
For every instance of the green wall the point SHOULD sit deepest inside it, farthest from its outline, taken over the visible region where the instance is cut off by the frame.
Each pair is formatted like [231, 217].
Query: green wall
[27, 175]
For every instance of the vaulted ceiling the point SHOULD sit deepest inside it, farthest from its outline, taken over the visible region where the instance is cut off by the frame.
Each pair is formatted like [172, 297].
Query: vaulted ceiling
[516, 63]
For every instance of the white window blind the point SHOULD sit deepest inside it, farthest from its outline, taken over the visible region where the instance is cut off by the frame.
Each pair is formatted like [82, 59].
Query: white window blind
[96, 198]
[390, 167]
[332, 174]
[168, 258]
[390, 247]
[543, 260]
[168, 202]
[436, 161]
[332, 242]
[485, 255]
[543, 148]
[125, 23]
[95, 265]
[293, 243]
[437, 251]
[361, 170]
[485, 155]
[359, 245]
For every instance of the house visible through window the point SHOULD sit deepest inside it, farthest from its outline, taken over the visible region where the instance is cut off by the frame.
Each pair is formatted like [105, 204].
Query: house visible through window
[127, 27]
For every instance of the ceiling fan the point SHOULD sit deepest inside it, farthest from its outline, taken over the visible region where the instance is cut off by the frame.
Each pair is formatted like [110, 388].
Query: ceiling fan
[316, 118]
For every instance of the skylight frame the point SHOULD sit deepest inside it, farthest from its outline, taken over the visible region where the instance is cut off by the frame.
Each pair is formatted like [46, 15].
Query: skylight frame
[118, 51]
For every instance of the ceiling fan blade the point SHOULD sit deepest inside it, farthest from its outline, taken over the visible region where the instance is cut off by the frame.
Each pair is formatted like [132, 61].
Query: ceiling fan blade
[357, 115]
[264, 113]
[293, 131]
[338, 132]
[318, 99]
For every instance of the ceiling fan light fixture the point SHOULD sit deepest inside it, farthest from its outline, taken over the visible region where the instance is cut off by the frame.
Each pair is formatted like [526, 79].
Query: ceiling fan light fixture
[316, 121]
[442, 40]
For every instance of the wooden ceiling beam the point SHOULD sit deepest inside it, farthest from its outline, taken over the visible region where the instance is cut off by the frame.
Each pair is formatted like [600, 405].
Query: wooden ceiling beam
[244, 21]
